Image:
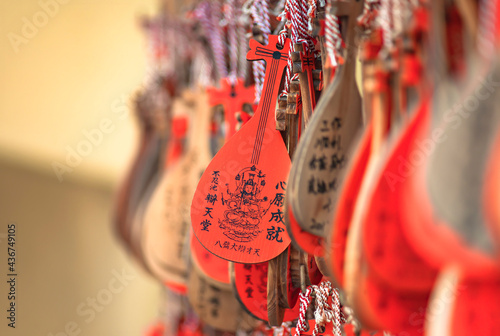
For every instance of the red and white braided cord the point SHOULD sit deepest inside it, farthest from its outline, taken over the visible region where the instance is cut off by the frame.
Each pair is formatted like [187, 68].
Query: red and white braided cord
[366, 18]
[241, 25]
[299, 22]
[260, 14]
[325, 313]
[386, 23]
[296, 11]
[337, 312]
[305, 300]
[217, 39]
[208, 13]
[311, 13]
[333, 39]
[202, 67]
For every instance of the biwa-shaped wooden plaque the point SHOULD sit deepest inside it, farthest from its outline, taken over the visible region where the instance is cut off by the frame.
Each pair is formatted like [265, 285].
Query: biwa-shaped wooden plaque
[171, 155]
[215, 269]
[386, 281]
[457, 164]
[385, 246]
[444, 171]
[250, 285]
[303, 240]
[321, 155]
[167, 222]
[435, 239]
[491, 194]
[345, 207]
[154, 109]
[381, 307]
[217, 306]
[232, 97]
[236, 212]
[467, 306]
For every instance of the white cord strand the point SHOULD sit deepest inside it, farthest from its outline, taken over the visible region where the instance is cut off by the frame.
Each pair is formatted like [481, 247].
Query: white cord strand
[260, 14]
[304, 299]
[324, 312]
[230, 18]
[208, 13]
[241, 25]
[385, 24]
[333, 39]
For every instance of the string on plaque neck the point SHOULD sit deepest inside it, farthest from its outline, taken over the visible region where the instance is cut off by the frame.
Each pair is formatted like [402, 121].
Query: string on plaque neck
[296, 19]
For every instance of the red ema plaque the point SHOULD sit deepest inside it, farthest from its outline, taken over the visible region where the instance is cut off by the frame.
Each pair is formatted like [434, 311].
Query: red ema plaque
[250, 284]
[237, 209]
[387, 249]
[304, 240]
[345, 207]
[232, 98]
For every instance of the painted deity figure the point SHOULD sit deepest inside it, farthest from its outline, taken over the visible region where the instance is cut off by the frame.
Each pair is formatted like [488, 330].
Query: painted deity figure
[244, 206]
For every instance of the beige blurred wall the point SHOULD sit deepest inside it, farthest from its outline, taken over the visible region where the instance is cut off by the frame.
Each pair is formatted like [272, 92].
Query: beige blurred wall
[67, 258]
[76, 70]
[67, 78]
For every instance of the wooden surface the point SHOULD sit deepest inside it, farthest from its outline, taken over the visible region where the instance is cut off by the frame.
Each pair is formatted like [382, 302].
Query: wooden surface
[466, 304]
[153, 109]
[321, 156]
[167, 222]
[217, 306]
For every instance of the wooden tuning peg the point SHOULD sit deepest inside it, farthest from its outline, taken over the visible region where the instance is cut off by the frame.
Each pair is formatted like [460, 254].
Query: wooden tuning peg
[318, 27]
[281, 114]
[318, 80]
[294, 99]
[303, 65]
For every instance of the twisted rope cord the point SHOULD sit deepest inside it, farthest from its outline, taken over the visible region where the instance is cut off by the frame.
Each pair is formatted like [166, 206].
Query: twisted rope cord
[158, 51]
[286, 16]
[333, 39]
[241, 25]
[230, 18]
[207, 13]
[205, 68]
[324, 312]
[397, 16]
[369, 9]
[217, 39]
[260, 14]
[164, 33]
[299, 22]
[305, 300]
[296, 13]
[311, 13]
[385, 23]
